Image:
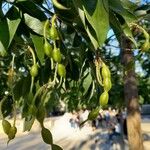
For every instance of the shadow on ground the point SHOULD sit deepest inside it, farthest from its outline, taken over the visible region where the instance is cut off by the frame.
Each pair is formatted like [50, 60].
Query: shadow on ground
[146, 136]
[99, 141]
[24, 142]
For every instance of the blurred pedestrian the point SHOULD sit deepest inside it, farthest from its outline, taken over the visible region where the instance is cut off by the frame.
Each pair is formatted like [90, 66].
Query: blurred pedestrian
[115, 129]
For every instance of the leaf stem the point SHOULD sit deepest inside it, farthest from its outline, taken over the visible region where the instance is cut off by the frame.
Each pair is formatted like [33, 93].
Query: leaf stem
[55, 74]
[37, 93]
[33, 54]
[52, 64]
[60, 82]
[31, 86]
[13, 60]
[14, 114]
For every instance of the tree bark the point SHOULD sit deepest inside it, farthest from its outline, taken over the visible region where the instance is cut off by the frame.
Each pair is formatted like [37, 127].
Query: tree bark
[135, 139]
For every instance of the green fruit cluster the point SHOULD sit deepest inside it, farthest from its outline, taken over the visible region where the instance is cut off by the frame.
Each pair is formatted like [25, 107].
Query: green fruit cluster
[55, 52]
[106, 77]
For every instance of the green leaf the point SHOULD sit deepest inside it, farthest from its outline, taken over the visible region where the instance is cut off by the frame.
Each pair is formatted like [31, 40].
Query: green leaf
[90, 92]
[94, 113]
[35, 24]
[29, 111]
[4, 35]
[131, 6]
[41, 114]
[8, 27]
[31, 9]
[5, 110]
[30, 98]
[32, 110]
[73, 66]
[28, 122]
[17, 90]
[128, 33]
[38, 43]
[143, 12]
[93, 39]
[3, 52]
[117, 7]
[87, 82]
[78, 5]
[13, 22]
[98, 17]
[21, 88]
[56, 147]
[115, 24]
[47, 136]
[122, 19]
[1, 104]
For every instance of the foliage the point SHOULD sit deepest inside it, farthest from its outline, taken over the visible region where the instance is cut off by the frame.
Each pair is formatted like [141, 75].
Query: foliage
[53, 55]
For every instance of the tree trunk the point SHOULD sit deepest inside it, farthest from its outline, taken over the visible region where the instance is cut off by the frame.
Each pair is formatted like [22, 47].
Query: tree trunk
[135, 139]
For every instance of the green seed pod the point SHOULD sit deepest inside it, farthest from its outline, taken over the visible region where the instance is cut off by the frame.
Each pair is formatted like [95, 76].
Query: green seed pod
[56, 54]
[146, 34]
[105, 71]
[6, 126]
[61, 70]
[47, 136]
[146, 46]
[34, 70]
[103, 100]
[53, 33]
[93, 114]
[12, 133]
[48, 49]
[107, 84]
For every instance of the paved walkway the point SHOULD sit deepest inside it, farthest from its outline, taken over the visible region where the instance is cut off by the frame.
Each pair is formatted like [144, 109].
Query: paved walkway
[65, 136]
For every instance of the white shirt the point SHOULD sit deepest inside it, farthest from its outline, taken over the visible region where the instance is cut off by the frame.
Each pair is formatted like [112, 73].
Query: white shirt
[118, 128]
